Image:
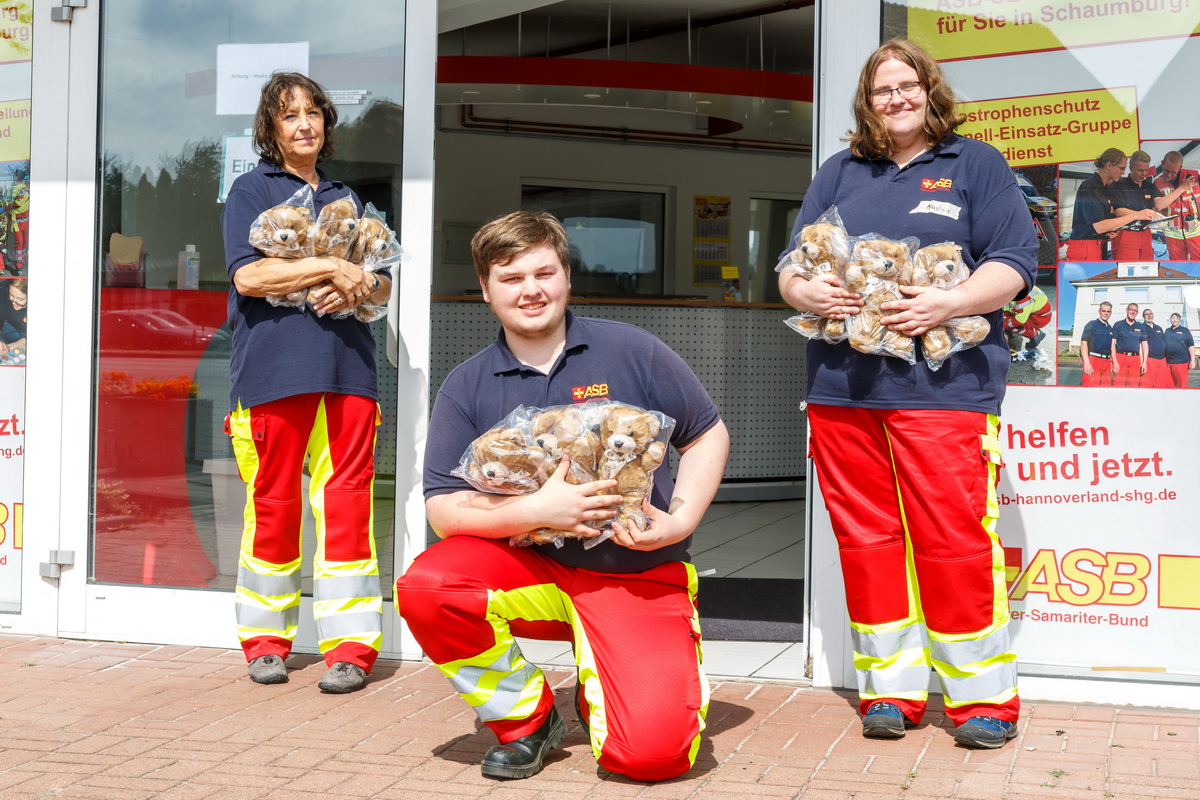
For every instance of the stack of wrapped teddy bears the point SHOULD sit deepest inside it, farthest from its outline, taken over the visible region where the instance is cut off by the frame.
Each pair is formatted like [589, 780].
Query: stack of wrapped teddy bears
[290, 231]
[603, 439]
[876, 268]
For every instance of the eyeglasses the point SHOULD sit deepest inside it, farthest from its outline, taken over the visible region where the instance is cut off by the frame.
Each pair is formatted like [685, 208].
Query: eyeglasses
[908, 89]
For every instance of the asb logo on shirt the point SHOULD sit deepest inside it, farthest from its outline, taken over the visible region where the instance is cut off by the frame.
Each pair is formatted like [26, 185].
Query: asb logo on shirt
[940, 184]
[582, 393]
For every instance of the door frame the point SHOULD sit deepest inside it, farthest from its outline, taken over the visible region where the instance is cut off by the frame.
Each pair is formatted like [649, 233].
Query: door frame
[60, 430]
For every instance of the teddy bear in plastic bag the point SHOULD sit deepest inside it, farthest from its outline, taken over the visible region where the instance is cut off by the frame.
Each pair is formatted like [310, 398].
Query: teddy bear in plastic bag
[942, 267]
[286, 231]
[601, 439]
[876, 269]
[822, 248]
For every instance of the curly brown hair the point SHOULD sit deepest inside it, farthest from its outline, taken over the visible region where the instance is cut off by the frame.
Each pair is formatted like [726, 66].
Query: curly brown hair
[276, 93]
[870, 138]
[503, 239]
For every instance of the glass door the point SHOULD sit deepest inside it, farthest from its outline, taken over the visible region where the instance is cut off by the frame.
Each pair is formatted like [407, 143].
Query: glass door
[178, 86]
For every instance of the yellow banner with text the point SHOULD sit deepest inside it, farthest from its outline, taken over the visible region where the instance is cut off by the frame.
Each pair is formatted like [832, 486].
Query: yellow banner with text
[1055, 128]
[951, 29]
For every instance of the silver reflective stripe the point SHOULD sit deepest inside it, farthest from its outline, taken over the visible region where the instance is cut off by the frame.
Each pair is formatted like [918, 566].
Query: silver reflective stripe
[346, 586]
[973, 651]
[893, 681]
[886, 645]
[269, 585]
[996, 682]
[507, 693]
[265, 619]
[342, 625]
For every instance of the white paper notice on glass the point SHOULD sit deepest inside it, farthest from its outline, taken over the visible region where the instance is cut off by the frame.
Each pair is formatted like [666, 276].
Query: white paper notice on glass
[242, 69]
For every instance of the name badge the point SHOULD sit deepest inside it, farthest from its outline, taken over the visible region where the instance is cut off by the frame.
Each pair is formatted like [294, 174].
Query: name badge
[937, 207]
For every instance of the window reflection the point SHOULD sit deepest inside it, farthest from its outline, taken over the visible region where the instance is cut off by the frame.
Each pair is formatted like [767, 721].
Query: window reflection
[167, 505]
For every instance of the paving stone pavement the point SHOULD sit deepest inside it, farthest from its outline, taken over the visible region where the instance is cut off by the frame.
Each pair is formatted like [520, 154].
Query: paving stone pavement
[125, 722]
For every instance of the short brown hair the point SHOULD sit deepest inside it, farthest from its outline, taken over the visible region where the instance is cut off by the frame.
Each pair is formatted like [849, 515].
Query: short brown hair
[1140, 156]
[276, 93]
[870, 138]
[503, 239]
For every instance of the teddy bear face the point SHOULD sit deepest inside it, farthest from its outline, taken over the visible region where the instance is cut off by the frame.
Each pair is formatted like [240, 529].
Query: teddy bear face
[876, 265]
[627, 431]
[563, 430]
[824, 247]
[335, 228]
[502, 459]
[940, 266]
[372, 243]
[283, 230]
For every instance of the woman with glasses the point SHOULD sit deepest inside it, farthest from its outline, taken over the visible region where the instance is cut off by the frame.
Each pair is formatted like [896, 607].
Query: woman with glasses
[907, 457]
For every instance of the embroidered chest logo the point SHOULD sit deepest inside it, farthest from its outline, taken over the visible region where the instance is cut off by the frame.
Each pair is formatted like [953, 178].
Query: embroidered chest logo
[581, 393]
[941, 184]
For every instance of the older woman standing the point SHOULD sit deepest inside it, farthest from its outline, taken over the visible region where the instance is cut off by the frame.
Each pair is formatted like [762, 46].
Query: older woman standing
[908, 457]
[303, 385]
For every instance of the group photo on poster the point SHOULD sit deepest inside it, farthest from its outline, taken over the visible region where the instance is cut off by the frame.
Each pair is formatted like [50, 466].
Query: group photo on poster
[1107, 158]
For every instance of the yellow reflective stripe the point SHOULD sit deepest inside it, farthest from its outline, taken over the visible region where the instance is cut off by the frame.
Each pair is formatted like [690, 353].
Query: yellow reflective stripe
[324, 609]
[498, 683]
[373, 640]
[320, 469]
[885, 627]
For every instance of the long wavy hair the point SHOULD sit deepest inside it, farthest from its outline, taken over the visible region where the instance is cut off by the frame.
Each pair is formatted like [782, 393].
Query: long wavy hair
[870, 138]
[276, 94]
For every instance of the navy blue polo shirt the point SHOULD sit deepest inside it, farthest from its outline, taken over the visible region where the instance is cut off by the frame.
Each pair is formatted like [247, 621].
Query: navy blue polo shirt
[1156, 341]
[1125, 193]
[601, 359]
[961, 191]
[1129, 336]
[281, 352]
[1099, 336]
[1178, 340]
[1092, 204]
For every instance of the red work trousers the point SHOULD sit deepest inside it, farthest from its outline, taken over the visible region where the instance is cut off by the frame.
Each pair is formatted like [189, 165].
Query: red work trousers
[336, 432]
[1184, 249]
[1129, 371]
[911, 497]
[1101, 374]
[1085, 250]
[1179, 374]
[636, 639]
[1156, 376]
[1133, 246]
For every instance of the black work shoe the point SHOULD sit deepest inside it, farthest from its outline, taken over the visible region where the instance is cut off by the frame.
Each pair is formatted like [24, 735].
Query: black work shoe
[343, 677]
[268, 669]
[522, 758]
[884, 721]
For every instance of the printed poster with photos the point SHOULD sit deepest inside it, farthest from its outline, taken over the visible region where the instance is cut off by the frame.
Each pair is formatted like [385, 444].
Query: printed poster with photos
[16, 53]
[1086, 100]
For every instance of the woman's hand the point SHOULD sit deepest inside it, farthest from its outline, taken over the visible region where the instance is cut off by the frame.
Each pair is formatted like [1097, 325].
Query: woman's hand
[348, 287]
[823, 295]
[924, 308]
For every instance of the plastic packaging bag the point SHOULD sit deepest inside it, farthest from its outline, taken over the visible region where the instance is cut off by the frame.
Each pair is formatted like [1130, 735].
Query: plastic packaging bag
[286, 231]
[877, 268]
[603, 439]
[820, 248]
[942, 267]
[375, 247]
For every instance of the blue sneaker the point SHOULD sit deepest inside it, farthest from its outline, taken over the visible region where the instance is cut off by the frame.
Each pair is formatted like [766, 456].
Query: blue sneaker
[985, 733]
[885, 721]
